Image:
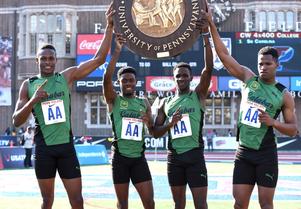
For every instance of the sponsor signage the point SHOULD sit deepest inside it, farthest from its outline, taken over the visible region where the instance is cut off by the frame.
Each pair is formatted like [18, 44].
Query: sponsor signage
[226, 83]
[13, 157]
[92, 155]
[87, 46]
[166, 83]
[229, 84]
[296, 83]
[94, 84]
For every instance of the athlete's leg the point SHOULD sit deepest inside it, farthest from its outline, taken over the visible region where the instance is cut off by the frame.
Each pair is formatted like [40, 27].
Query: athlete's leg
[146, 193]
[74, 191]
[242, 194]
[266, 196]
[244, 178]
[267, 177]
[122, 193]
[199, 195]
[179, 196]
[47, 192]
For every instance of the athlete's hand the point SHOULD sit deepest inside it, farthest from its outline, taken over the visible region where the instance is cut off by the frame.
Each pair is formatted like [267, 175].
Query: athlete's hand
[109, 16]
[265, 118]
[40, 93]
[120, 41]
[176, 117]
[147, 119]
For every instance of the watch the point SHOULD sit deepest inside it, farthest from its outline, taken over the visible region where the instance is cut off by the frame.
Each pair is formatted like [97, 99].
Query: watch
[221, 9]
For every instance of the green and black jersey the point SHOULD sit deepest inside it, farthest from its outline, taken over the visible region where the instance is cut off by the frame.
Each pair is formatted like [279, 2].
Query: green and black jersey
[258, 95]
[52, 115]
[187, 133]
[128, 127]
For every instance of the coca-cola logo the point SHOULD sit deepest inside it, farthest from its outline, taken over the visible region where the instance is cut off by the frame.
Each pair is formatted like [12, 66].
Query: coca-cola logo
[163, 84]
[86, 45]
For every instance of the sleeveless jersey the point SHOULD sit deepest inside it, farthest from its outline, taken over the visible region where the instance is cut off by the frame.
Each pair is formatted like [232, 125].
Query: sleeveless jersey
[187, 133]
[258, 95]
[128, 128]
[52, 115]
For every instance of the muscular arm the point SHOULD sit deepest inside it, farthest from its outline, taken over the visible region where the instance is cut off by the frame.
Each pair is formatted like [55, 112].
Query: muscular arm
[233, 67]
[78, 72]
[108, 89]
[205, 80]
[159, 128]
[24, 105]
[289, 127]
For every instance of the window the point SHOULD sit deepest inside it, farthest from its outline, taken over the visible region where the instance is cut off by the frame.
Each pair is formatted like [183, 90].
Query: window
[44, 28]
[289, 20]
[97, 114]
[280, 21]
[273, 21]
[218, 112]
[253, 19]
[262, 21]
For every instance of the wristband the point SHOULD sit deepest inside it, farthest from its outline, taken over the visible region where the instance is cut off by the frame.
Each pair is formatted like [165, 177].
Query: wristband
[205, 34]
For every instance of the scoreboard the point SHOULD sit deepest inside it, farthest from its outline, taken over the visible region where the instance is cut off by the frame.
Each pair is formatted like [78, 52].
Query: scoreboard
[288, 44]
[243, 46]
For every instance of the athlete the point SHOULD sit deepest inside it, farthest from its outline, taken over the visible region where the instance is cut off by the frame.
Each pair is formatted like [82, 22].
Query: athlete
[47, 97]
[182, 117]
[128, 115]
[263, 99]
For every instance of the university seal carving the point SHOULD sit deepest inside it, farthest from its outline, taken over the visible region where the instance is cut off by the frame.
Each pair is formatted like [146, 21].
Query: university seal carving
[158, 28]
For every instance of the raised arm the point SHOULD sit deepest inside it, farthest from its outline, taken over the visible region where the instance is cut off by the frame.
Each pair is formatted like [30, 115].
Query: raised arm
[78, 72]
[24, 105]
[205, 80]
[108, 89]
[233, 67]
[289, 127]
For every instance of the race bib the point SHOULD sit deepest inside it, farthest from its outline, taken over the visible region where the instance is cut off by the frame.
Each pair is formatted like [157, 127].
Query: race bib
[132, 129]
[53, 111]
[182, 128]
[250, 114]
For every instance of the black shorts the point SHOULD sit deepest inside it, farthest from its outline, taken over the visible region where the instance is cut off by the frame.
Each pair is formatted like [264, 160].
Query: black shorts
[188, 167]
[61, 158]
[253, 166]
[125, 169]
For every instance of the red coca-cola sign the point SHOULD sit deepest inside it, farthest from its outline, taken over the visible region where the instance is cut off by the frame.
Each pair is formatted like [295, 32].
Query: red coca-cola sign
[88, 43]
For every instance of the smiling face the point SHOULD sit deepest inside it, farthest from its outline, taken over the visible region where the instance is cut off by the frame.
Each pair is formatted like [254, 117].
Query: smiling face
[182, 77]
[46, 60]
[267, 67]
[127, 83]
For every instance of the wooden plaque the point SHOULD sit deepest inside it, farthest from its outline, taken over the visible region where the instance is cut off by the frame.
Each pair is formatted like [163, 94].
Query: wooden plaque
[158, 28]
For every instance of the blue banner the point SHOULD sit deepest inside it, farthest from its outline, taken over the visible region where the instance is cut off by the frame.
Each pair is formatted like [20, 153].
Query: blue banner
[13, 157]
[92, 155]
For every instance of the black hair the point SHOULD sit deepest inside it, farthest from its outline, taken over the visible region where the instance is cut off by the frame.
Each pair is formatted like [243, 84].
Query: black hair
[126, 69]
[268, 50]
[182, 64]
[48, 46]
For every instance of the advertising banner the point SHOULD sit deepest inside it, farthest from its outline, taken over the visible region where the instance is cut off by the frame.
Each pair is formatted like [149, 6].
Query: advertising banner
[5, 70]
[92, 155]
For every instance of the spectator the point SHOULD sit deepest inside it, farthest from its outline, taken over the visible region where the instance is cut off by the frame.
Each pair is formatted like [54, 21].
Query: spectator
[210, 135]
[28, 145]
[7, 131]
[230, 133]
